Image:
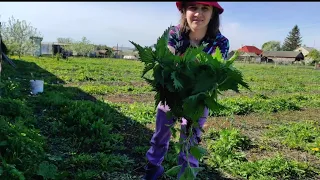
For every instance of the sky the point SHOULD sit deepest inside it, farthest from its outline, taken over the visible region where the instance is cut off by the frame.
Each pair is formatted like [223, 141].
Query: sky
[112, 23]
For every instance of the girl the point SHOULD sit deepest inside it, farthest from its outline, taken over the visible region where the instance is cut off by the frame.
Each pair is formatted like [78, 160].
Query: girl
[199, 24]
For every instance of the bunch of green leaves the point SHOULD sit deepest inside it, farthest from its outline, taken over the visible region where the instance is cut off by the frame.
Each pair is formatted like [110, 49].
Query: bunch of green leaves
[189, 83]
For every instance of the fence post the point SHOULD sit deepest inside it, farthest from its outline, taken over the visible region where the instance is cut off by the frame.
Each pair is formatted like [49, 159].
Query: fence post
[0, 60]
[0, 52]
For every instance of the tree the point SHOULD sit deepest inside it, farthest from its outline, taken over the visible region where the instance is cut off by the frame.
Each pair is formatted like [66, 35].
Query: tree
[82, 47]
[293, 40]
[85, 46]
[271, 46]
[65, 40]
[68, 41]
[314, 55]
[101, 47]
[16, 35]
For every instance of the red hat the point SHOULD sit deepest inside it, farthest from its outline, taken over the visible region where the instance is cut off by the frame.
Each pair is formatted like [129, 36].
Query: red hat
[209, 3]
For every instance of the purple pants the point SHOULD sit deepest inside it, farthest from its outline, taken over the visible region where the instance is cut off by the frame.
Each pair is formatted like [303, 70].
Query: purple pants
[161, 137]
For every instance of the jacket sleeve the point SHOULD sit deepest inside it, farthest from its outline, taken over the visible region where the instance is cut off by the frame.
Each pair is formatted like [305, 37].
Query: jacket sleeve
[173, 36]
[224, 47]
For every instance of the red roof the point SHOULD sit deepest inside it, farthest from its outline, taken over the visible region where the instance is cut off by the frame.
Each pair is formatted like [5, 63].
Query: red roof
[250, 49]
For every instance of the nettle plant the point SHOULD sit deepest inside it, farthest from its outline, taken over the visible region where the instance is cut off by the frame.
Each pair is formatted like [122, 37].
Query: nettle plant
[188, 84]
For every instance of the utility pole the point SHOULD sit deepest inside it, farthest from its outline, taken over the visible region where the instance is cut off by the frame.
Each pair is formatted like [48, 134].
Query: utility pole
[117, 56]
[314, 43]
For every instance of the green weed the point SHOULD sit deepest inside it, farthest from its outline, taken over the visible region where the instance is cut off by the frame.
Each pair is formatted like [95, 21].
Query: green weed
[298, 135]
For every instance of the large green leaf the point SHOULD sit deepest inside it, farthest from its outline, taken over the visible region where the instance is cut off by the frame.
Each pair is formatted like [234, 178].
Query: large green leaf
[147, 68]
[161, 49]
[145, 54]
[218, 55]
[47, 170]
[191, 54]
[188, 174]
[232, 59]
[174, 170]
[197, 151]
[176, 81]
[212, 61]
[204, 81]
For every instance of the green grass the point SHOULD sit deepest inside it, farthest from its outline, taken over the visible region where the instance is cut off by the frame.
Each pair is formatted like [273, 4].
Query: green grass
[85, 126]
[303, 136]
[226, 152]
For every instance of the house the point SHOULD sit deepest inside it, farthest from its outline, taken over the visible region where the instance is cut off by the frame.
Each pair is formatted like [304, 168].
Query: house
[251, 49]
[282, 56]
[305, 50]
[249, 57]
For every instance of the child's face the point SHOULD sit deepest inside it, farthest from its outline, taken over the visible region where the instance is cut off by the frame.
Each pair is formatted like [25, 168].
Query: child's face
[198, 16]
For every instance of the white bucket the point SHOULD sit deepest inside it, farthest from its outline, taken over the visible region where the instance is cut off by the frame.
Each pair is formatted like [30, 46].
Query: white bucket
[36, 86]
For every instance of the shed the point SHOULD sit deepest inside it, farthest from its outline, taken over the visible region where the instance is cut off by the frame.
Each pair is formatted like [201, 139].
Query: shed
[283, 56]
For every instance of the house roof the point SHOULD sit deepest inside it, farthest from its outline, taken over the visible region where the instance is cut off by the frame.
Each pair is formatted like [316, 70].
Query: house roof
[286, 54]
[309, 49]
[251, 49]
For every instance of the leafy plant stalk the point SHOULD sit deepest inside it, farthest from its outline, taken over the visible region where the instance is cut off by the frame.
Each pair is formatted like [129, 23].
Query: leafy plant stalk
[188, 84]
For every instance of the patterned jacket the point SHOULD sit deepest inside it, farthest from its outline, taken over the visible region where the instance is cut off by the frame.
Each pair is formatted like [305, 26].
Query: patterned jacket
[180, 43]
